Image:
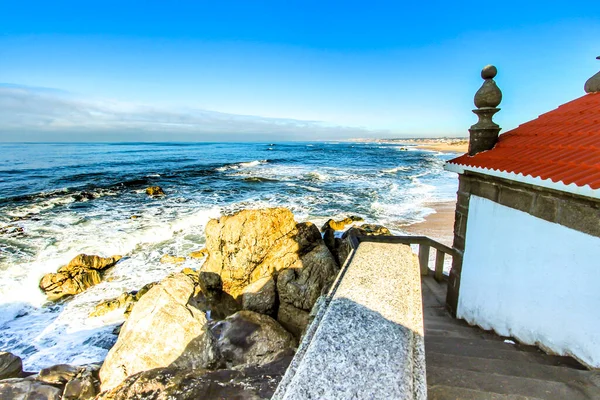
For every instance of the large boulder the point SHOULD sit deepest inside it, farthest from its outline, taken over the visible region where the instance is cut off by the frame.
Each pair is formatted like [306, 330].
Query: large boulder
[163, 329]
[293, 319]
[11, 365]
[79, 382]
[81, 273]
[28, 389]
[250, 338]
[253, 382]
[254, 244]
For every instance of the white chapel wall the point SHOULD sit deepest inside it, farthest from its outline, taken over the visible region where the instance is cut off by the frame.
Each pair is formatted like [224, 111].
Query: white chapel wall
[531, 279]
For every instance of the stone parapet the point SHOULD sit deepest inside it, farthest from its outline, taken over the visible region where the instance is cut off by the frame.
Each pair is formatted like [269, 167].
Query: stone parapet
[366, 341]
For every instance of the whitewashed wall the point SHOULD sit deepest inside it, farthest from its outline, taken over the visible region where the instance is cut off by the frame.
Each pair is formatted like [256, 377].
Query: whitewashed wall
[531, 279]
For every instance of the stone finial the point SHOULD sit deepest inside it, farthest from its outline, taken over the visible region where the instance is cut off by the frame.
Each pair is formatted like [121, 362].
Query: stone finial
[484, 134]
[593, 84]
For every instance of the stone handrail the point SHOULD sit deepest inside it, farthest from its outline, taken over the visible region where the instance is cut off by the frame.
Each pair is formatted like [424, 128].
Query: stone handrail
[366, 339]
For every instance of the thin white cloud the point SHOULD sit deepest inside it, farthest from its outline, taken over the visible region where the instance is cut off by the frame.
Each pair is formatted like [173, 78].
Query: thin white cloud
[49, 114]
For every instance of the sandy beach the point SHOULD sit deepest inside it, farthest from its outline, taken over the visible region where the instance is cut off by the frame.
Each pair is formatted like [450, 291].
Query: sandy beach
[439, 225]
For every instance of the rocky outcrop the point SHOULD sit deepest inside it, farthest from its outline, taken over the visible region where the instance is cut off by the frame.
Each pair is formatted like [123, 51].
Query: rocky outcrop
[125, 300]
[155, 191]
[199, 253]
[253, 382]
[260, 296]
[259, 245]
[163, 329]
[11, 365]
[81, 273]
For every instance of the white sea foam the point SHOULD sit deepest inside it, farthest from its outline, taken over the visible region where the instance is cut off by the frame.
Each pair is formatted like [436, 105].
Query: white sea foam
[397, 169]
[248, 164]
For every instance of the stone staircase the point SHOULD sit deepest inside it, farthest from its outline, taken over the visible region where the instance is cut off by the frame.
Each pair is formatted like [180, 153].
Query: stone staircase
[465, 362]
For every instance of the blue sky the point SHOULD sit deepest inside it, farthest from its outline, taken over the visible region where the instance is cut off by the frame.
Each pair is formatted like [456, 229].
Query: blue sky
[283, 70]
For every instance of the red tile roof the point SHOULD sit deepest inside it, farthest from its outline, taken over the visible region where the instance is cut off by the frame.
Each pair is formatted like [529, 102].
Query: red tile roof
[562, 145]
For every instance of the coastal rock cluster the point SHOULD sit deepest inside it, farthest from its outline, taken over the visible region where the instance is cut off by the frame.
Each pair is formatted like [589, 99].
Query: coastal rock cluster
[227, 329]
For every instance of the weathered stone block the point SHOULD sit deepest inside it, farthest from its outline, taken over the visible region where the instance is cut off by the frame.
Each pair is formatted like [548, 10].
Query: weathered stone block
[517, 199]
[580, 216]
[545, 207]
[488, 190]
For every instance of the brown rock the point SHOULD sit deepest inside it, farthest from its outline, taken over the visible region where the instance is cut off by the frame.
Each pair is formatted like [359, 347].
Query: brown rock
[302, 286]
[11, 365]
[253, 382]
[83, 386]
[125, 300]
[155, 191]
[82, 272]
[58, 374]
[28, 389]
[260, 296]
[163, 329]
[169, 259]
[199, 253]
[250, 338]
[339, 225]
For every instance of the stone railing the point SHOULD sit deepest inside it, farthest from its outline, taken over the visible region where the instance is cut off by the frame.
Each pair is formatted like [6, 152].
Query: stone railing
[366, 339]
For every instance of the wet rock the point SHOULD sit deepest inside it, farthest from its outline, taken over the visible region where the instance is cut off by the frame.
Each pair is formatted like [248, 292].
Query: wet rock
[254, 382]
[58, 374]
[28, 389]
[199, 253]
[260, 296]
[170, 259]
[11, 230]
[82, 272]
[125, 300]
[250, 338]
[341, 224]
[163, 329]
[11, 365]
[293, 319]
[135, 216]
[83, 196]
[155, 191]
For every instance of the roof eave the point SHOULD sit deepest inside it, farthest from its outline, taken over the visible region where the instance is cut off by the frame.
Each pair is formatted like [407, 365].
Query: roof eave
[586, 190]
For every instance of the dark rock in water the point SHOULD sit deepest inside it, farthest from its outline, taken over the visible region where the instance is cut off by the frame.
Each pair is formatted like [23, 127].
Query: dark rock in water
[250, 338]
[171, 259]
[11, 365]
[28, 389]
[155, 191]
[199, 253]
[293, 319]
[254, 382]
[12, 230]
[260, 296]
[58, 374]
[82, 272]
[83, 196]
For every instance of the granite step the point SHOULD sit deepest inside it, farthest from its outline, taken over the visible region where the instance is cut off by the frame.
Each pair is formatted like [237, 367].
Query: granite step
[509, 385]
[511, 368]
[496, 354]
[482, 343]
[442, 392]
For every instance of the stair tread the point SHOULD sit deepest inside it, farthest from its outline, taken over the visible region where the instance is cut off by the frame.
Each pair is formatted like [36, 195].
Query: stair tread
[510, 368]
[508, 355]
[509, 385]
[479, 342]
[442, 392]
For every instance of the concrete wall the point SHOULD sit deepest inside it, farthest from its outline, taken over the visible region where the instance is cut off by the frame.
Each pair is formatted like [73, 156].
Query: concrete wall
[570, 210]
[531, 279]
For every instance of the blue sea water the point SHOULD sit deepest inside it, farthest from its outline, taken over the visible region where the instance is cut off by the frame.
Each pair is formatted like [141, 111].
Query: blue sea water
[58, 200]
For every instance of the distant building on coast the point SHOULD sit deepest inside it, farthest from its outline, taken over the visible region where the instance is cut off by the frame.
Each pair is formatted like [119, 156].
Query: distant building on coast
[527, 226]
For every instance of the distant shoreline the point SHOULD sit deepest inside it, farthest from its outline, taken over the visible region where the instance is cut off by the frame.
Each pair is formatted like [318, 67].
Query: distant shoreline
[444, 145]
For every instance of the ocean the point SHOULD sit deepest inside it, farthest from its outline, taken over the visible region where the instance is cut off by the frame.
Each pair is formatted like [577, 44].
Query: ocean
[58, 200]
